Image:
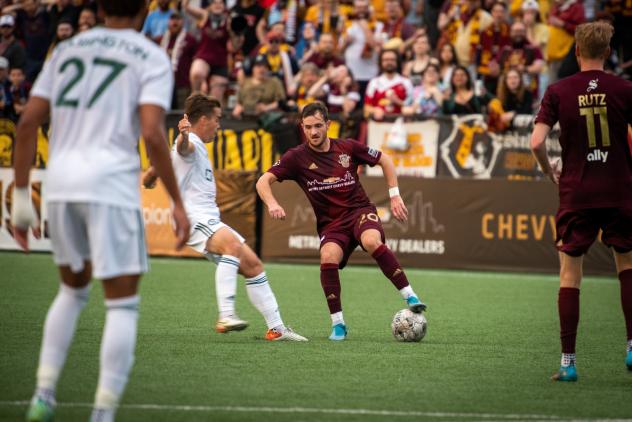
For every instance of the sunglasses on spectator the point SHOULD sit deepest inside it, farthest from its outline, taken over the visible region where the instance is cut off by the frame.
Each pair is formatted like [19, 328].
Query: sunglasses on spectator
[275, 41]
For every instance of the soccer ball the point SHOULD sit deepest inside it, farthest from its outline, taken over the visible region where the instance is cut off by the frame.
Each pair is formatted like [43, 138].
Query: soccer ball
[408, 326]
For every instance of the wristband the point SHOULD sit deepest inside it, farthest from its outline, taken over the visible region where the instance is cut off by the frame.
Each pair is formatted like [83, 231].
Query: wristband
[393, 192]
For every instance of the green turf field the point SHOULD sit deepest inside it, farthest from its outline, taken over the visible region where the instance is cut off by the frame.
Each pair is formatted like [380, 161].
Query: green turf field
[492, 344]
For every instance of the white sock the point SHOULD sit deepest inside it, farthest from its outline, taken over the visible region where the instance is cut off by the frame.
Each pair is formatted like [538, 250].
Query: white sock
[226, 285]
[568, 359]
[407, 292]
[117, 353]
[59, 330]
[629, 348]
[261, 296]
[337, 318]
[102, 415]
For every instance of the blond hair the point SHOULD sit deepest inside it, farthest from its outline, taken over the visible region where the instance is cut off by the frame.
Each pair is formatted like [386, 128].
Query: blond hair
[593, 39]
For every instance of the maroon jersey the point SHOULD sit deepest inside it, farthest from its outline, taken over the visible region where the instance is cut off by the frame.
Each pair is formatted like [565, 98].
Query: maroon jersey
[594, 109]
[329, 179]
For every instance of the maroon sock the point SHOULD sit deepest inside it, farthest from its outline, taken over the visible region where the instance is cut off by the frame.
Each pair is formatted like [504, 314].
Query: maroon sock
[389, 265]
[626, 299]
[330, 281]
[568, 308]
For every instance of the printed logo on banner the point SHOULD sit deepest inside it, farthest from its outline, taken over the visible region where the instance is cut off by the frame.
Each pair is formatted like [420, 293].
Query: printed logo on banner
[420, 156]
[470, 150]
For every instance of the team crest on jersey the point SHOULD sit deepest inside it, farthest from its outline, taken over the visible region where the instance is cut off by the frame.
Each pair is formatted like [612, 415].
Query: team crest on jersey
[278, 162]
[372, 152]
[344, 160]
[592, 85]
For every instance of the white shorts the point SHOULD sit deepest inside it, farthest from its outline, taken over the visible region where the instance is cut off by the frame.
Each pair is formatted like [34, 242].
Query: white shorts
[201, 232]
[111, 237]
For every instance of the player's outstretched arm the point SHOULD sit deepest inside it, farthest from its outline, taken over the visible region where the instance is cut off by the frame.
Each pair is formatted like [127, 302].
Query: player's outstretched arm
[265, 193]
[22, 213]
[152, 118]
[538, 147]
[398, 208]
[183, 146]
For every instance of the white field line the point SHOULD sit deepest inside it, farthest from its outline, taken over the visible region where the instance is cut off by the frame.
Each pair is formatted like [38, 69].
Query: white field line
[365, 412]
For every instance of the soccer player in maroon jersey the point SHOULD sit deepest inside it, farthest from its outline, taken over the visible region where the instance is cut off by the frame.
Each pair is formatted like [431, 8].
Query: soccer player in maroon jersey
[594, 109]
[327, 171]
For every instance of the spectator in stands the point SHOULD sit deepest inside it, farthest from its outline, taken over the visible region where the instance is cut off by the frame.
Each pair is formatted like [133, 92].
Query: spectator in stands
[33, 28]
[389, 91]
[361, 43]
[63, 10]
[523, 56]
[564, 17]
[328, 17]
[463, 99]
[64, 31]
[514, 96]
[622, 39]
[5, 97]
[157, 21]
[307, 40]
[87, 19]
[462, 22]
[342, 91]
[421, 59]
[447, 64]
[281, 64]
[537, 32]
[252, 24]
[326, 56]
[427, 98]
[285, 12]
[19, 91]
[396, 26]
[209, 70]
[180, 46]
[10, 47]
[260, 93]
[493, 40]
[431, 10]
[305, 89]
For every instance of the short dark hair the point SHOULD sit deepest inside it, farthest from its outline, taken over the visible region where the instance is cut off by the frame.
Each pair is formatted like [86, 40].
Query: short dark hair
[122, 8]
[397, 57]
[198, 105]
[315, 108]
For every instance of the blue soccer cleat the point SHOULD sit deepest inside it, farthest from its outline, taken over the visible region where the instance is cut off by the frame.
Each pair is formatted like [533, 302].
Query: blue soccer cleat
[415, 305]
[566, 373]
[40, 411]
[628, 361]
[338, 332]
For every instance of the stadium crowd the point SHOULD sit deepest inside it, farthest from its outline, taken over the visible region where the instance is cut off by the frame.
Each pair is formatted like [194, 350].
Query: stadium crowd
[367, 58]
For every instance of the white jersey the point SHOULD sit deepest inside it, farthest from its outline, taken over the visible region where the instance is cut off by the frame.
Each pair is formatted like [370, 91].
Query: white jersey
[95, 83]
[196, 181]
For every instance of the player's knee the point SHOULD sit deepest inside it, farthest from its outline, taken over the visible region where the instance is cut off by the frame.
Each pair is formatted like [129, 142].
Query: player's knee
[371, 244]
[233, 248]
[328, 257]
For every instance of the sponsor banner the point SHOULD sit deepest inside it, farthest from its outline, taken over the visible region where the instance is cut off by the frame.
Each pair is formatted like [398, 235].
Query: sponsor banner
[241, 145]
[420, 159]
[469, 150]
[462, 224]
[237, 202]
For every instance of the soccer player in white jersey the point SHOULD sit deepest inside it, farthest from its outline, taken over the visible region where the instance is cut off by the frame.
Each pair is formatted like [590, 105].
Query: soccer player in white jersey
[209, 236]
[102, 89]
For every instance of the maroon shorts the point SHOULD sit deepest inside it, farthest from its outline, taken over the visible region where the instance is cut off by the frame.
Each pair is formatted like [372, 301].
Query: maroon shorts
[347, 234]
[578, 229]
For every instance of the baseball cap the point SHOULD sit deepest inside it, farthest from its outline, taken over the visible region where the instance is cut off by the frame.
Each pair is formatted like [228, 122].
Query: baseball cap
[530, 5]
[7, 20]
[4, 63]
